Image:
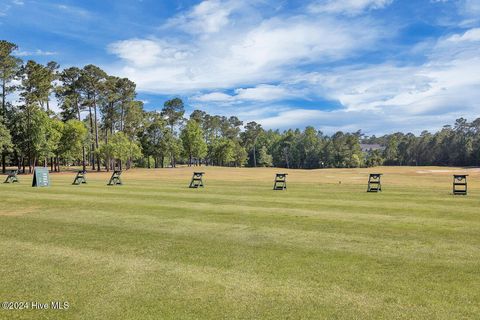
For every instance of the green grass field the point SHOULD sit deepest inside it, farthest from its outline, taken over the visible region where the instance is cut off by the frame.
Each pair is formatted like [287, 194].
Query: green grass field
[324, 249]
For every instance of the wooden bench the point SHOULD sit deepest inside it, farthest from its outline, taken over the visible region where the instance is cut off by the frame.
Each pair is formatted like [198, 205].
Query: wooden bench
[12, 176]
[460, 184]
[280, 181]
[80, 178]
[374, 182]
[115, 179]
[197, 180]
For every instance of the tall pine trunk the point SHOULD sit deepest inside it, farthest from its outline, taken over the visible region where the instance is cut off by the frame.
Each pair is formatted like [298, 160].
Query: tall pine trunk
[107, 160]
[96, 131]
[4, 159]
[92, 158]
[84, 153]
[4, 110]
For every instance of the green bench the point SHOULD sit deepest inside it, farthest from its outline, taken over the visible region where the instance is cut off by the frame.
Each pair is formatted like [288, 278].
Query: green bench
[280, 181]
[12, 176]
[374, 182]
[80, 178]
[197, 180]
[115, 179]
[460, 184]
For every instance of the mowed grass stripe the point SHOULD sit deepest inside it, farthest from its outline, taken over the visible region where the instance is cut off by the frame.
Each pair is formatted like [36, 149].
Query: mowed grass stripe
[160, 250]
[388, 204]
[237, 287]
[371, 226]
[235, 211]
[397, 213]
[337, 279]
[380, 242]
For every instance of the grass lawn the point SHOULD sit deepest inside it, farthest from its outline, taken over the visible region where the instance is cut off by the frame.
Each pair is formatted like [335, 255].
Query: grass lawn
[324, 249]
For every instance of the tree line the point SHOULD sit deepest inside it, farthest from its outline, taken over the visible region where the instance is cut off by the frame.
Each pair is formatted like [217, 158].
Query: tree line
[453, 145]
[102, 125]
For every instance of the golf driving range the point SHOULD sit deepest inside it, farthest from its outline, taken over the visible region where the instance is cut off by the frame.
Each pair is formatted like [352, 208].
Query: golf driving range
[153, 248]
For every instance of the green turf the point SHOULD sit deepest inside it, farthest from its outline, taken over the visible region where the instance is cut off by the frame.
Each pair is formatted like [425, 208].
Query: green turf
[154, 249]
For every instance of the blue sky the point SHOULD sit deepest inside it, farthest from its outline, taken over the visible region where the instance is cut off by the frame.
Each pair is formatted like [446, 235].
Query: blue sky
[376, 65]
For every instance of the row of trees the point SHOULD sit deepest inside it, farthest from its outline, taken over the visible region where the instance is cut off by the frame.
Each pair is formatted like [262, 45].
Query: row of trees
[90, 101]
[457, 145]
[102, 125]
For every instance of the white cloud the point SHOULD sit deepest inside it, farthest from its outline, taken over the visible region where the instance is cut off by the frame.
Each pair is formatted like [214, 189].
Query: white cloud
[469, 35]
[213, 97]
[263, 93]
[250, 69]
[386, 97]
[349, 121]
[430, 90]
[209, 16]
[444, 84]
[263, 53]
[294, 117]
[147, 52]
[349, 7]
[260, 93]
[36, 53]
[299, 39]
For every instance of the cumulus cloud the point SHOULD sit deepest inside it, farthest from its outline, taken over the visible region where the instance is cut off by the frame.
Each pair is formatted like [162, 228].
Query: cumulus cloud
[387, 96]
[350, 121]
[147, 52]
[260, 93]
[253, 69]
[213, 97]
[444, 85]
[469, 35]
[263, 93]
[209, 16]
[264, 53]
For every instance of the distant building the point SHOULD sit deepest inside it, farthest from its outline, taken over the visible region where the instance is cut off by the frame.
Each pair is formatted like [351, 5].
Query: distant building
[366, 147]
